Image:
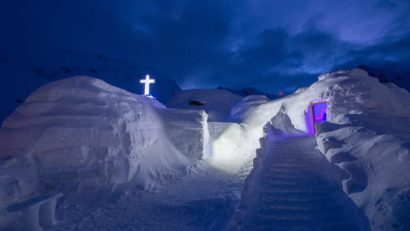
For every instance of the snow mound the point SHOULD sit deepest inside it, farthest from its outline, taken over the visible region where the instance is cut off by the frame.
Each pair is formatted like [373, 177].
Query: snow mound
[35, 73]
[282, 125]
[82, 133]
[240, 110]
[368, 138]
[216, 102]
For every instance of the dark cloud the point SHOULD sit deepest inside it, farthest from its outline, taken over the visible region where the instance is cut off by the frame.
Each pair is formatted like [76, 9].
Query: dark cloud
[394, 55]
[272, 45]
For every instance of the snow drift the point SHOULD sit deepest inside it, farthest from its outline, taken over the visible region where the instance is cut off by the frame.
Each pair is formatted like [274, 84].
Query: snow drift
[82, 133]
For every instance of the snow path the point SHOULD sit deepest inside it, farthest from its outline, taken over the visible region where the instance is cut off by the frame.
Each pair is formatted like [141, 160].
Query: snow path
[293, 187]
[203, 200]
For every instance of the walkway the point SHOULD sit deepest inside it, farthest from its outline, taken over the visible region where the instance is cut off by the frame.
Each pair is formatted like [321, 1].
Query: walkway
[293, 187]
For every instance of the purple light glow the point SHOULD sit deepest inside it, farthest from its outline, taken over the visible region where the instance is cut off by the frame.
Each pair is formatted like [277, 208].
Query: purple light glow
[316, 114]
[320, 112]
[309, 123]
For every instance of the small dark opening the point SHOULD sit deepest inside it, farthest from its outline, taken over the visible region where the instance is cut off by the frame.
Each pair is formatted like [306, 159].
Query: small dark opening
[196, 103]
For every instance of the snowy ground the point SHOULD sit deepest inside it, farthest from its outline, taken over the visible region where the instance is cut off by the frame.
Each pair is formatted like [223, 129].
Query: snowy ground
[202, 201]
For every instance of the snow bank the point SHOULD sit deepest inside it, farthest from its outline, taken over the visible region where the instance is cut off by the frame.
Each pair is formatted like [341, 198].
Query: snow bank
[82, 134]
[235, 144]
[216, 102]
[368, 138]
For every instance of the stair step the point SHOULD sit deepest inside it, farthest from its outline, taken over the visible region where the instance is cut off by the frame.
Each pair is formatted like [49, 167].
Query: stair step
[294, 190]
[291, 191]
[301, 210]
[261, 223]
[304, 203]
[295, 217]
[324, 199]
[296, 198]
[293, 181]
[296, 185]
[287, 175]
[301, 180]
[288, 166]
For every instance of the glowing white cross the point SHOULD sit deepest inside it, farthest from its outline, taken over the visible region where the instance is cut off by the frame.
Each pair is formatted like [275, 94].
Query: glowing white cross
[147, 81]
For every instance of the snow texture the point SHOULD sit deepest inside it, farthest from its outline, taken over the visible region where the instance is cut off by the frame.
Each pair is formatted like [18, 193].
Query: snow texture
[293, 187]
[81, 134]
[22, 75]
[216, 102]
[367, 136]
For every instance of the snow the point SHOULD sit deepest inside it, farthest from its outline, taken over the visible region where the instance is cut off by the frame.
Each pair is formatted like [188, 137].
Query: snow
[38, 211]
[367, 137]
[21, 75]
[216, 102]
[82, 134]
[293, 186]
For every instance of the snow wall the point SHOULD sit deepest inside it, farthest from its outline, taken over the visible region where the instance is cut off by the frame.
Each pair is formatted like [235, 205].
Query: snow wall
[216, 102]
[82, 134]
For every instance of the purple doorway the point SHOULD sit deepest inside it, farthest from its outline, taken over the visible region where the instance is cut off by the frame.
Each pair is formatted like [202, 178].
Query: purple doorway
[317, 113]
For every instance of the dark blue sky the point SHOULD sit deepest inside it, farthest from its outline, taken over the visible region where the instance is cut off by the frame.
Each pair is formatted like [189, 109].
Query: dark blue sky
[273, 44]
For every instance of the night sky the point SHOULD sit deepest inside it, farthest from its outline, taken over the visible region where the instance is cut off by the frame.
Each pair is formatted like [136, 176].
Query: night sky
[272, 45]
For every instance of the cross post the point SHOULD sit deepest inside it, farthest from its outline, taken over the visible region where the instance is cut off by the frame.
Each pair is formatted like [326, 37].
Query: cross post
[147, 81]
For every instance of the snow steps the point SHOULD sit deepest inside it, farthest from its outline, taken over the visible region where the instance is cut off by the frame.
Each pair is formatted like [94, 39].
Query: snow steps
[300, 225]
[296, 209]
[302, 180]
[295, 184]
[302, 203]
[291, 191]
[295, 191]
[292, 196]
[276, 198]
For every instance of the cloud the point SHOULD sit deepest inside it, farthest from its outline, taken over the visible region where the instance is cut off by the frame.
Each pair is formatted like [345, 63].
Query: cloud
[393, 56]
[284, 43]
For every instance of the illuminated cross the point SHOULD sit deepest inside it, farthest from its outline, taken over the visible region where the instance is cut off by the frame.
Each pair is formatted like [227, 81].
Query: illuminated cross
[147, 81]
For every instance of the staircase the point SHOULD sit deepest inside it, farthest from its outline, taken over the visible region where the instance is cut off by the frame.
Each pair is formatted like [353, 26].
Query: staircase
[293, 187]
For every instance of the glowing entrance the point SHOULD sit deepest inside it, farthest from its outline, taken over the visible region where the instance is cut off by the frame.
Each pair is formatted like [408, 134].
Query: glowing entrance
[317, 113]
